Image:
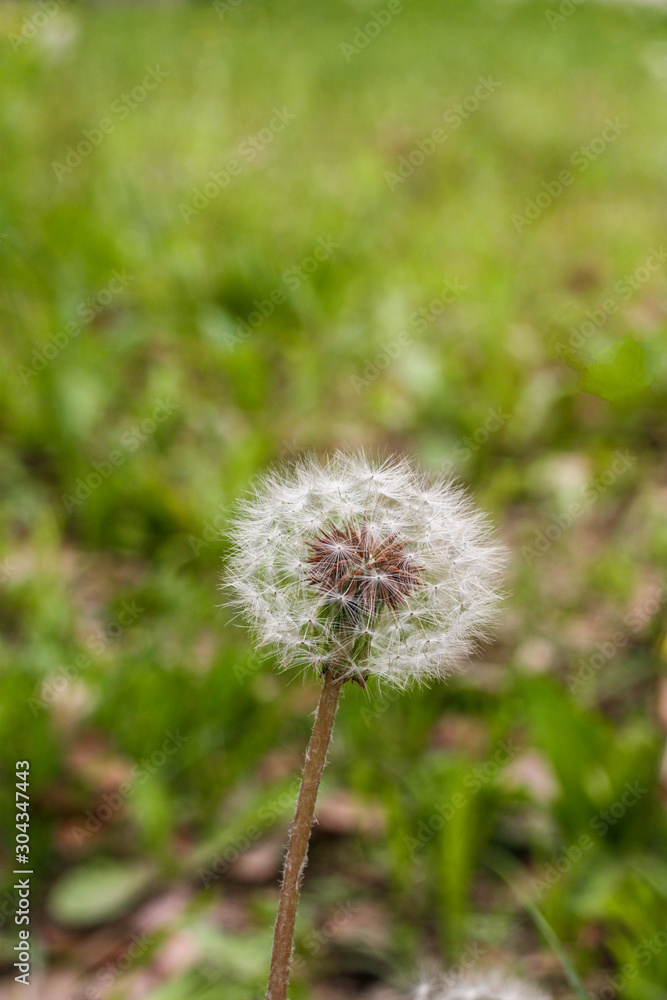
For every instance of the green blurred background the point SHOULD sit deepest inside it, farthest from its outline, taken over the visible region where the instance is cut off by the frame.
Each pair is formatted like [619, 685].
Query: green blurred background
[233, 232]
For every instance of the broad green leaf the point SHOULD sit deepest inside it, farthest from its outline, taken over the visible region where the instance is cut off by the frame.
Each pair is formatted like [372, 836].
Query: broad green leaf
[622, 373]
[98, 893]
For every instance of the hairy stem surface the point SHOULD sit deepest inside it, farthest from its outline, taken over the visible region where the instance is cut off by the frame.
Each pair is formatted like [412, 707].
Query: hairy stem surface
[295, 860]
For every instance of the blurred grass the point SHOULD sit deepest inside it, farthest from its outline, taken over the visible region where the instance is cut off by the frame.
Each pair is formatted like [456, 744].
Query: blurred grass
[314, 374]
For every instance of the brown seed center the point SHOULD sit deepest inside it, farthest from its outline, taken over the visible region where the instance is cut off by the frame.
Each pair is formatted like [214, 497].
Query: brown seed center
[362, 568]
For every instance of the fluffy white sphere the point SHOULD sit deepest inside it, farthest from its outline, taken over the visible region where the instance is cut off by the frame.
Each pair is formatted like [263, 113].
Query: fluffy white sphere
[367, 565]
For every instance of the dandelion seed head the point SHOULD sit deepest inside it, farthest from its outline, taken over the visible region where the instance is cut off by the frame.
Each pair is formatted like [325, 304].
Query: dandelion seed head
[491, 985]
[328, 554]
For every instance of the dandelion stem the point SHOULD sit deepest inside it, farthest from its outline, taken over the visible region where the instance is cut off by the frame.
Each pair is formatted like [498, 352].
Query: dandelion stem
[295, 860]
